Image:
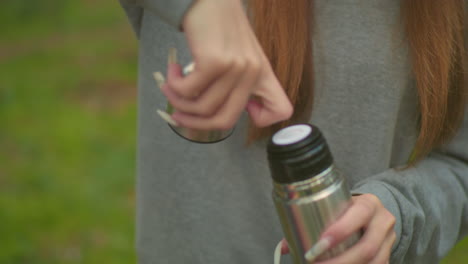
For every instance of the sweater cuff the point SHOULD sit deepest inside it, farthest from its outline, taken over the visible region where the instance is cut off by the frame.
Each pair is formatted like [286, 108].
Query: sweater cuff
[171, 11]
[385, 195]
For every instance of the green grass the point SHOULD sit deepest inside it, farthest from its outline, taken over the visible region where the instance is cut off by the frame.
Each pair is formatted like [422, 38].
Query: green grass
[459, 255]
[67, 134]
[67, 137]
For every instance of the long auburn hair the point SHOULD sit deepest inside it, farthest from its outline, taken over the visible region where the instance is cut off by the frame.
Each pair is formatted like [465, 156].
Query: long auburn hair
[434, 32]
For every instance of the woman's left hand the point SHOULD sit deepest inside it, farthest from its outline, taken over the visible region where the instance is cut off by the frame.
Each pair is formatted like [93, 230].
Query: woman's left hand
[368, 214]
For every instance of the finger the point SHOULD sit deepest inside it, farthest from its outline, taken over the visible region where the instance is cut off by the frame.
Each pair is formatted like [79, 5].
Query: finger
[159, 78]
[198, 80]
[208, 103]
[284, 247]
[226, 117]
[281, 249]
[271, 104]
[210, 100]
[368, 247]
[277, 254]
[356, 217]
[175, 72]
[263, 115]
[384, 254]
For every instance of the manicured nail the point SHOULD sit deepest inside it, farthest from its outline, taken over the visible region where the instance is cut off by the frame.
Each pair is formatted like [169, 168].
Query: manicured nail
[166, 117]
[277, 254]
[189, 68]
[284, 247]
[160, 80]
[172, 58]
[318, 249]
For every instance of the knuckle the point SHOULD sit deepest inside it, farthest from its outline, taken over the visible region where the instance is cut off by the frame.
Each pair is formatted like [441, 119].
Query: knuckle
[220, 62]
[365, 206]
[262, 123]
[205, 110]
[393, 237]
[368, 251]
[180, 90]
[239, 64]
[339, 229]
[199, 51]
[284, 111]
[255, 67]
[372, 199]
[391, 219]
[288, 111]
[173, 85]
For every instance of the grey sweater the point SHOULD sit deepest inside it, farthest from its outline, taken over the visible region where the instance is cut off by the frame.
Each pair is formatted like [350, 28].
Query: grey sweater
[212, 203]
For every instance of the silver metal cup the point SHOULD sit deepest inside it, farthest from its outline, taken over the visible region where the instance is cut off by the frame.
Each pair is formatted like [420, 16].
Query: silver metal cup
[197, 135]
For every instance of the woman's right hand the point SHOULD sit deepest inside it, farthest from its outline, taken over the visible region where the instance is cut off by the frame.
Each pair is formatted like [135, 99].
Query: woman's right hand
[365, 213]
[231, 72]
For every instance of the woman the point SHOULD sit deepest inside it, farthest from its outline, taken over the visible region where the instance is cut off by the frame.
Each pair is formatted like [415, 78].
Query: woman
[384, 80]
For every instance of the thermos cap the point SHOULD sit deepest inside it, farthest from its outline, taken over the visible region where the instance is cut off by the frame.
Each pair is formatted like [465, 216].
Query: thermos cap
[297, 153]
[291, 134]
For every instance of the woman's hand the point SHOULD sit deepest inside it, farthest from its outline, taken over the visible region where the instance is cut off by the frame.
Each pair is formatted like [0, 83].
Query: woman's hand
[368, 214]
[230, 70]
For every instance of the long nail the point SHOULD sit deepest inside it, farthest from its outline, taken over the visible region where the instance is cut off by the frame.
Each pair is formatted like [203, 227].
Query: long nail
[172, 57]
[160, 80]
[318, 249]
[189, 68]
[166, 117]
[277, 254]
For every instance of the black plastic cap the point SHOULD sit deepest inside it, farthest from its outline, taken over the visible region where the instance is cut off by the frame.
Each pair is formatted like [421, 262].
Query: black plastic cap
[293, 160]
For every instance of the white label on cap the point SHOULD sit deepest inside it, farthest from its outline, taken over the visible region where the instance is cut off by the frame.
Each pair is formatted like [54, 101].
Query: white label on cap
[292, 134]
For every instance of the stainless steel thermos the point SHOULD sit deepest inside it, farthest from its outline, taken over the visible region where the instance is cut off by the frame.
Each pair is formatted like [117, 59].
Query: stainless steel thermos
[309, 193]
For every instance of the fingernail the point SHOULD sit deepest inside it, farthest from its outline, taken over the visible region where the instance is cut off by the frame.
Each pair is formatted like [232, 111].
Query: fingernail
[160, 80]
[284, 247]
[277, 254]
[318, 249]
[166, 117]
[172, 58]
[189, 68]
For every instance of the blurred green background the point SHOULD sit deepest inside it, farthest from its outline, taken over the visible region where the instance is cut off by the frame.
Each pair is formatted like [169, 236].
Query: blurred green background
[67, 133]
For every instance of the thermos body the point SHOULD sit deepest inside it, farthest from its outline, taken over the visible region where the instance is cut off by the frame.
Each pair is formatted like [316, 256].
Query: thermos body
[308, 207]
[309, 193]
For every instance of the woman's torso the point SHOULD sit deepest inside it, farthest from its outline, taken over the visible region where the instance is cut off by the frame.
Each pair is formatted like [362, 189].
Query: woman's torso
[212, 203]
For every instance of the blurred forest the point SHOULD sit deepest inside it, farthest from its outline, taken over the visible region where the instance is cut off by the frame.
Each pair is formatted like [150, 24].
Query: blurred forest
[67, 133]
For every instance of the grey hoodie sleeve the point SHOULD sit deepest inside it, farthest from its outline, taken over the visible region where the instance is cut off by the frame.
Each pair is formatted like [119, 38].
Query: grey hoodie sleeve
[134, 14]
[171, 11]
[430, 202]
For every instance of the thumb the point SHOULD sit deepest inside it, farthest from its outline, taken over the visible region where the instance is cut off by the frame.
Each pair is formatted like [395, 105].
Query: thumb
[270, 103]
[267, 109]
